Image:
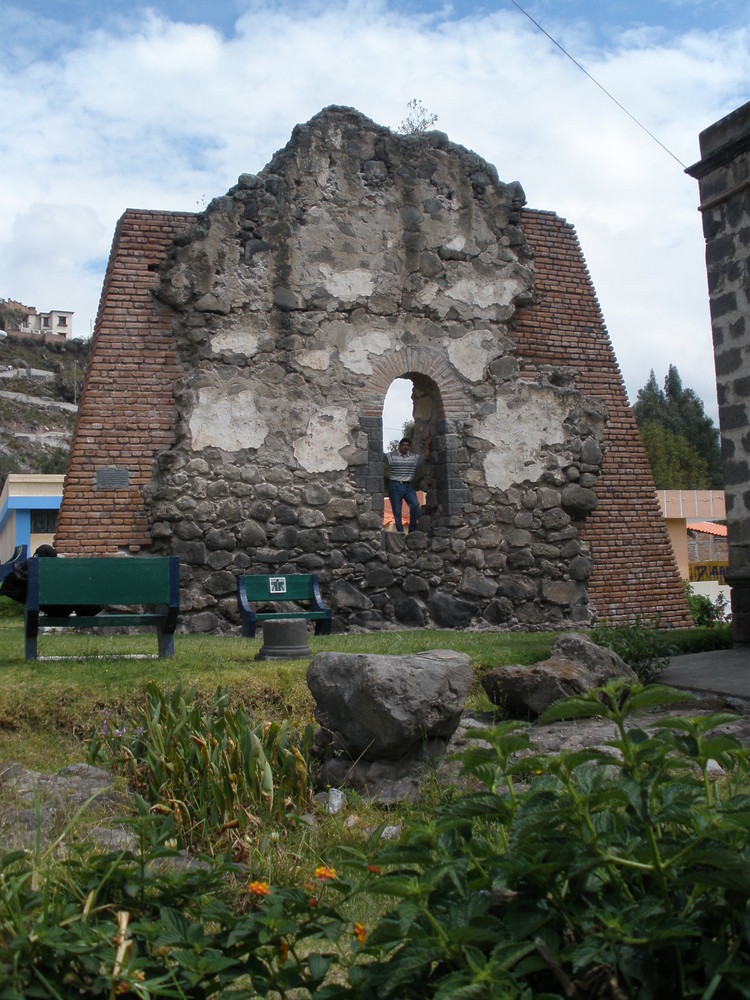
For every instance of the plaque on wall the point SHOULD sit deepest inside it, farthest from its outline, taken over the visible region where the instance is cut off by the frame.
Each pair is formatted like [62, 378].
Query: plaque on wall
[112, 477]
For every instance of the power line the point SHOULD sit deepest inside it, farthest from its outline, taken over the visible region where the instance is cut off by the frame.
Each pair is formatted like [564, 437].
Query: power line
[599, 85]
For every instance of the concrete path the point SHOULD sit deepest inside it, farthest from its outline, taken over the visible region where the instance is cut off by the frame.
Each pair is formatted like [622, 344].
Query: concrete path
[722, 672]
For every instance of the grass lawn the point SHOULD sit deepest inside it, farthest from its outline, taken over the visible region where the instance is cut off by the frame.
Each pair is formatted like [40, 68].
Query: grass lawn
[299, 902]
[50, 708]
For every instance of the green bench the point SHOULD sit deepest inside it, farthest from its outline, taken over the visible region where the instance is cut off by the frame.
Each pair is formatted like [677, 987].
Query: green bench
[57, 584]
[282, 588]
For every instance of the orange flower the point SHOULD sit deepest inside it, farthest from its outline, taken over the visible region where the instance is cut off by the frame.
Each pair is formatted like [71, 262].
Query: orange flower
[312, 902]
[374, 869]
[324, 872]
[283, 952]
[259, 889]
[359, 932]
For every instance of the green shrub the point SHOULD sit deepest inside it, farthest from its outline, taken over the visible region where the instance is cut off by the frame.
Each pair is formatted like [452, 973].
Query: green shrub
[703, 609]
[619, 871]
[219, 776]
[640, 645]
[699, 639]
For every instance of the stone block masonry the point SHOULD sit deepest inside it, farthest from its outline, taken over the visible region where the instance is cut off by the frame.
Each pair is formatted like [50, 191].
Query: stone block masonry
[283, 314]
[723, 174]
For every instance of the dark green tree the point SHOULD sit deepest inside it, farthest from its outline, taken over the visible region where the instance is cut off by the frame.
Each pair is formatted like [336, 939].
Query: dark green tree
[687, 455]
[675, 463]
[407, 431]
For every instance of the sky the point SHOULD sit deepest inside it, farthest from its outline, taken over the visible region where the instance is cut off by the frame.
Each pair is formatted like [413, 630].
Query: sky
[113, 105]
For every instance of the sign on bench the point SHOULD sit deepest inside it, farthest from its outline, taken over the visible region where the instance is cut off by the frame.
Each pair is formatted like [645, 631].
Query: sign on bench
[296, 588]
[57, 584]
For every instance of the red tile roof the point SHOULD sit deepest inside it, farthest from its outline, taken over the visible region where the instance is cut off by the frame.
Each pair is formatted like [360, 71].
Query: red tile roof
[707, 528]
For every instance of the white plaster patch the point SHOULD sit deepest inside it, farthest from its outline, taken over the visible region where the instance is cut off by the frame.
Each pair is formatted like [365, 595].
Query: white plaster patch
[484, 293]
[229, 422]
[356, 354]
[457, 242]
[236, 341]
[469, 356]
[317, 361]
[518, 433]
[347, 285]
[326, 437]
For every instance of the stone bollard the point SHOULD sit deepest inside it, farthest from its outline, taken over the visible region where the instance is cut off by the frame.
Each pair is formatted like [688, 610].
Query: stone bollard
[284, 640]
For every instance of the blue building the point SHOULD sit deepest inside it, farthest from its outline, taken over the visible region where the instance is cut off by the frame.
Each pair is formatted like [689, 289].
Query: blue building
[28, 511]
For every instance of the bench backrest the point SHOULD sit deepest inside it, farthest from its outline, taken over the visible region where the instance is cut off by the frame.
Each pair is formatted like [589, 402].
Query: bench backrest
[296, 587]
[109, 580]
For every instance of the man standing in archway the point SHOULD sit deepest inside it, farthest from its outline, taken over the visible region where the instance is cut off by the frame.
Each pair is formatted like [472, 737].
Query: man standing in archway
[403, 464]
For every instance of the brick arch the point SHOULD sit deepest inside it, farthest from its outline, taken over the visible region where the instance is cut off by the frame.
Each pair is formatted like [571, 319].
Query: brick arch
[411, 362]
[432, 370]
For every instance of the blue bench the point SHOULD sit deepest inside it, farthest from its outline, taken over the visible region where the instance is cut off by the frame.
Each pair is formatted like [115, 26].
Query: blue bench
[281, 588]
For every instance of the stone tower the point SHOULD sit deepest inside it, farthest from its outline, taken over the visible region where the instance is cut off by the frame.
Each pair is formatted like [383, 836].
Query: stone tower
[723, 174]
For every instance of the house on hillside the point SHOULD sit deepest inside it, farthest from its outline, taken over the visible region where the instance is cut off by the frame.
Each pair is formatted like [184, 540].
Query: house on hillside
[19, 320]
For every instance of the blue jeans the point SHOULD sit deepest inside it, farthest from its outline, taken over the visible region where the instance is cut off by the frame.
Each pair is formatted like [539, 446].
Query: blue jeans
[397, 493]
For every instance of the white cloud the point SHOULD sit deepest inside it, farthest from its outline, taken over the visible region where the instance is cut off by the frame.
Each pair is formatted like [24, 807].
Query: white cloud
[149, 113]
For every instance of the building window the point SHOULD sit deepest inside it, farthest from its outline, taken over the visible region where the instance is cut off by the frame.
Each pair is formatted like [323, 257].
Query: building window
[62, 320]
[45, 320]
[43, 522]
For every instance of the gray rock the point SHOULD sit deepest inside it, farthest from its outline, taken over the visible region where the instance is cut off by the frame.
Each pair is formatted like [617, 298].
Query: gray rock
[410, 611]
[477, 584]
[385, 707]
[450, 612]
[575, 667]
[578, 499]
[344, 595]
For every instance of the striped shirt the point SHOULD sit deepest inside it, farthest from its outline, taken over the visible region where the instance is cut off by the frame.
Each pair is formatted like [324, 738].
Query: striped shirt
[402, 467]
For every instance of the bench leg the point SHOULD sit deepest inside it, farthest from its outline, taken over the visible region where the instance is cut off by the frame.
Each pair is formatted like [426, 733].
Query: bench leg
[323, 626]
[166, 645]
[30, 651]
[249, 624]
[30, 631]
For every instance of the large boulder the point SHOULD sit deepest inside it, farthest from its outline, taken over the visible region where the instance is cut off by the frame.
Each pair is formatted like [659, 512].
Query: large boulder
[388, 707]
[576, 665]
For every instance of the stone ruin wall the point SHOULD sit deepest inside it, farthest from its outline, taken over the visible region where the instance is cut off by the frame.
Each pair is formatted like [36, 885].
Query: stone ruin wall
[356, 257]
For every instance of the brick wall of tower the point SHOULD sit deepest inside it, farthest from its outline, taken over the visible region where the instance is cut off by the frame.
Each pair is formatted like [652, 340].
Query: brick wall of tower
[126, 414]
[635, 572]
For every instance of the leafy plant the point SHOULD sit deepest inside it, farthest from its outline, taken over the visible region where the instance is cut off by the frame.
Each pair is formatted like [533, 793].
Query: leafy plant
[639, 644]
[619, 871]
[703, 609]
[219, 776]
